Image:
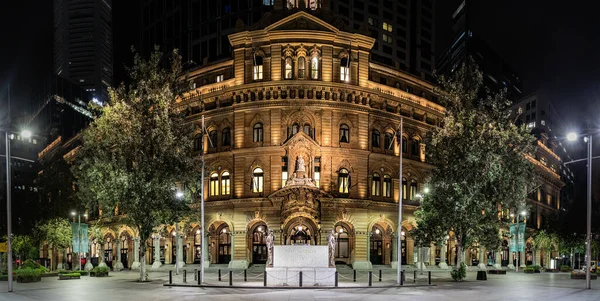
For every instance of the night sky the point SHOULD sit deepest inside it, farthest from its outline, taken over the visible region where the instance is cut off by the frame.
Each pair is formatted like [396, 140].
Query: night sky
[554, 49]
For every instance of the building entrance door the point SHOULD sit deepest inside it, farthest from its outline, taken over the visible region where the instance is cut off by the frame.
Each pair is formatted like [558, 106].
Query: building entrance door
[124, 258]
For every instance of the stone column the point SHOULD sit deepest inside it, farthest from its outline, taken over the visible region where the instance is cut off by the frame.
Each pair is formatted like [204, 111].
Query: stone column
[156, 264]
[410, 245]
[205, 250]
[482, 253]
[522, 262]
[511, 265]
[136, 253]
[180, 261]
[118, 266]
[498, 263]
[443, 264]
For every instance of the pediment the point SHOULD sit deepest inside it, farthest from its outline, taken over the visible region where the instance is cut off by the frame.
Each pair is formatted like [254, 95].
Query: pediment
[301, 139]
[301, 21]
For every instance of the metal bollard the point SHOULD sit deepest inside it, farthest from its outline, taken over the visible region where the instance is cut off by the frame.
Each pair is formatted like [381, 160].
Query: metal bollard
[415, 276]
[429, 277]
[170, 277]
[230, 278]
[265, 278]
[245, 275]
[336, 279]
[379, 275]
[354, 276]
[198, 277]
[219, 274]
[300, 278]
[401, 277]
[370, 278]
[184, 276]
[195, 275]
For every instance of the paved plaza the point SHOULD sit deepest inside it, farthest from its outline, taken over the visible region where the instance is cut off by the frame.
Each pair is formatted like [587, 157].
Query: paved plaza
[122, 286]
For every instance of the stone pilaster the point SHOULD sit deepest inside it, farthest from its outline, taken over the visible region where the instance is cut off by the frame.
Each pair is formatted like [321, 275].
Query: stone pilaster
[180, 262]
[119, 265]
[443, 264]
[136, 253]
[156, 264]
[522, 262]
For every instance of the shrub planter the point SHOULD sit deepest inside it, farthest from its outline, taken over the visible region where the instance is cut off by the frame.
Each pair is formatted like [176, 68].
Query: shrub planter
[68, 277]
[582, 276]
[28, 279]
[98, 274]
[497, 272]
[49, 274]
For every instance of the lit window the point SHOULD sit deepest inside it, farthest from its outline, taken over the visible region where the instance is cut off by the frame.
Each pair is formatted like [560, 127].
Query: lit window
[307, 130]
[258, 132]
[387, 27]
[219, 78]
[404, 189]
[295, 128]
[375, 137]
[387, 186]
[343, 181]
[258, 68]
[301, 67]
[258, 180]
[314, 68]
[214, 184]
[344, 70]
[317, 176]
[376, 185]
[531, 124]
[413, 189]
[388, 38]
[225, 183]
[288, 68]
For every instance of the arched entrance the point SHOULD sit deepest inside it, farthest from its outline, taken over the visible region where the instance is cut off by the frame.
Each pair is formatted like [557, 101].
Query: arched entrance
[504, 253]
[301, 231]
[108, 249]
[258, 243]
[126, 246]
[173, 246]
[220, 246]
[344, 235]
[376, 245]
[197, 244]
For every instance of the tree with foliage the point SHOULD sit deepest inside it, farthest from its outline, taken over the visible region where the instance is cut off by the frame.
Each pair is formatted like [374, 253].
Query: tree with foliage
[139, 151]
[25, 247]
[547, 242]
[56, 233]
[481, 163]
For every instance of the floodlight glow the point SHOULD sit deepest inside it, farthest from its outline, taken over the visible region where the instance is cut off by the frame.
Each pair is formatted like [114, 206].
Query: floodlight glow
[26, 134]
[572, 136]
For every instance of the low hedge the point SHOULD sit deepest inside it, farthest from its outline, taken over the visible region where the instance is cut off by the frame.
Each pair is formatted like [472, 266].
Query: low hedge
[565, 268]
[99, 271]
[28, 275]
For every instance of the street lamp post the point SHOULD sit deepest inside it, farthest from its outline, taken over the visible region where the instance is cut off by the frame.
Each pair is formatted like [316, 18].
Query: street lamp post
[400, 234]
[523, 213]
[587, 138]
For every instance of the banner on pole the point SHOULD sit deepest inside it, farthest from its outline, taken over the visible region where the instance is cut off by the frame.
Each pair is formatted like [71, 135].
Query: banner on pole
[517, 237]
[83, 233]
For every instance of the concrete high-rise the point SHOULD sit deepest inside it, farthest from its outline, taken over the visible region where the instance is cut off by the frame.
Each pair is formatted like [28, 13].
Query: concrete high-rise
[83, 44]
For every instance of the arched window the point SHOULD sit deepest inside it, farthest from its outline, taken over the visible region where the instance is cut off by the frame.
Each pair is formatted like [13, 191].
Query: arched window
[343, 181]
[387, 186]
[375, 138]
[388, 140]
[258, 68]
[414, 147]
[344, 70]
[413, 189]
[314, 67]
[301, 67]
[344, 133]
[376, 185]
[214, 184]
[307, 130]
[225, 183]
[212, 136]
[342, 248]
[258, 177]
[198, 142]
[404, 145]
[258, 132]
[289, 73]
[404, 189]
[295, 129]
[226, 137]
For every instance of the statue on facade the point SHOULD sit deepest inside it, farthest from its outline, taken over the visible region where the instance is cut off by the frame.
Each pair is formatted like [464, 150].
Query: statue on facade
[300, 164]
[331, 244]
[270, 241]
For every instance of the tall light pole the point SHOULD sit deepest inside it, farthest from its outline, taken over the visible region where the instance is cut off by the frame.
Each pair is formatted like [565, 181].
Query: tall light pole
[523, 213]
[73, 213]
[588, 236]
[399, 137]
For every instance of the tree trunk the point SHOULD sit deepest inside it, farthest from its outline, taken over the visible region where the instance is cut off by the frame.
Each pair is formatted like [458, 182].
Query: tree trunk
[143, 261]
[459, 258]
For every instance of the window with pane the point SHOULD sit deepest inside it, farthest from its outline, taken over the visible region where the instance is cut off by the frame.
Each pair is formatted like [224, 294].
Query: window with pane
[375, 185]
[375, 137]
[301, 67]
[414, 147]
[342, 241]
[307, 130]
[289, 73]
[258, 68]
[388, 140]
[198, 142]
[344, 70]
[404, 145]
[344, 133]
[314, 68]
[317, 176]
[387, 27]
[404, 189]
[212, 137]
[388, 38]
[226, 137]
[284, 171]
[343, 181]
[295, 129]
[258, 132]
[387, 186]
[413, 189]
[214, 184]
[258, 178]
[219, 78]
[225, 183]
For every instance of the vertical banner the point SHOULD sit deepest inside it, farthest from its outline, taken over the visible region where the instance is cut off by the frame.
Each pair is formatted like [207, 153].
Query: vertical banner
[83, 233]
[517, 237]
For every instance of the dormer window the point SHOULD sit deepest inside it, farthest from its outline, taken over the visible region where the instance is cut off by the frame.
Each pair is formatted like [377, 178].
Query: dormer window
[301, 67]
[314, 68]
[289, 73]
[344, 70]
[258, 68]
